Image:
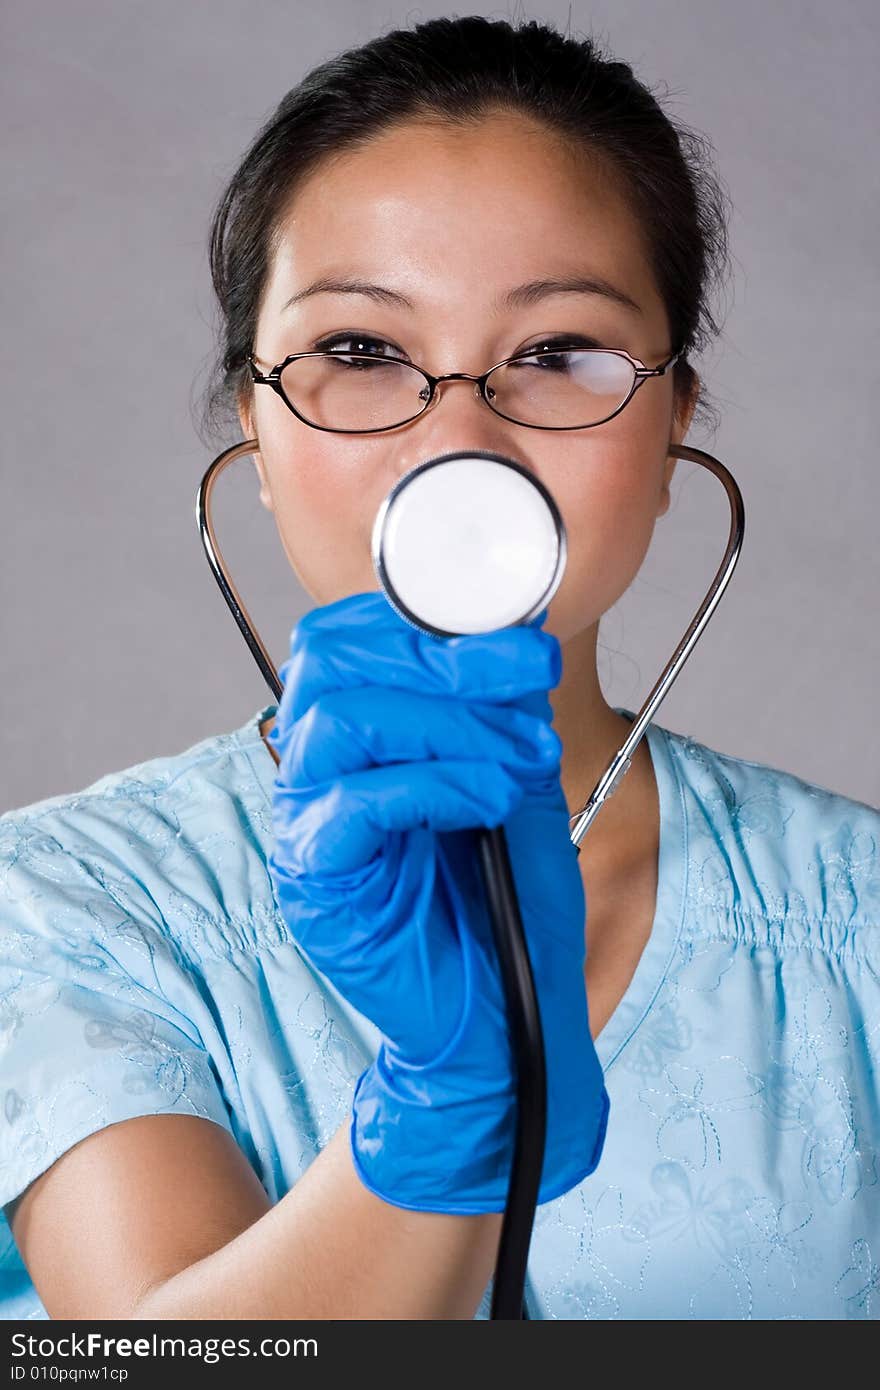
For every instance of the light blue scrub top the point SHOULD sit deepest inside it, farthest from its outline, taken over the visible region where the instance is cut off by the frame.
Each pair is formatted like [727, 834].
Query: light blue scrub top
[145, 969]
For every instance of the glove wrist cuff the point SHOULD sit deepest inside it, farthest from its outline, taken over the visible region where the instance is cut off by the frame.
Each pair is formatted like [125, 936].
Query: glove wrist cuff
[422, 1142]
[439, 1148]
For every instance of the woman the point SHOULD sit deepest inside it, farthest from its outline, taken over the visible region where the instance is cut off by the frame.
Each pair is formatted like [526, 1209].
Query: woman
[175, 941]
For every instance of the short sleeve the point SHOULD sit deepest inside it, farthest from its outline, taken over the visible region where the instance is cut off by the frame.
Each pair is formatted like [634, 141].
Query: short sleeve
[84, 1042]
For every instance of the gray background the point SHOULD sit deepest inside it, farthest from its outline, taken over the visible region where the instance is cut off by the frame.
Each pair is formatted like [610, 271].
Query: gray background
[122, 122]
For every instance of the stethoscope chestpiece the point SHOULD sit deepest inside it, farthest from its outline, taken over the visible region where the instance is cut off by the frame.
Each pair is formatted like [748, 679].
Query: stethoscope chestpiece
[469, 542]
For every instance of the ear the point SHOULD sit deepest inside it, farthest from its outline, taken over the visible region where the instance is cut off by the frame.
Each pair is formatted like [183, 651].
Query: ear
[680, 425]
[247, 428]
[665, 497]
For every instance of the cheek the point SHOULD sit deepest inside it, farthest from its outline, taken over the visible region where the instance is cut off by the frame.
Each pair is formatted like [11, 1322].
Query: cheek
[609, 509]
[319, 512]
[324, 513]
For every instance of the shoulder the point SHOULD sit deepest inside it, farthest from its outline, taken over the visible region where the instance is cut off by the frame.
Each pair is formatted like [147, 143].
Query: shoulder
[112, 901]
[153, 843]
[766, 845]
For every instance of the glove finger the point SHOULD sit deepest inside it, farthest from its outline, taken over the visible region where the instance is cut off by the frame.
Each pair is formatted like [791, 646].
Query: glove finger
[336, 830]
[361, 640]
[349, 730]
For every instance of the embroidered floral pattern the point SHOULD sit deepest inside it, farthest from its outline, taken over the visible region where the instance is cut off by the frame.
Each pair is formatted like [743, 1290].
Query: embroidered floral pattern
[145, 968]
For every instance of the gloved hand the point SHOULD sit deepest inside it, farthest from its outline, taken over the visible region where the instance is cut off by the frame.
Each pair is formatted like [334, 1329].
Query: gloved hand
[393, 745]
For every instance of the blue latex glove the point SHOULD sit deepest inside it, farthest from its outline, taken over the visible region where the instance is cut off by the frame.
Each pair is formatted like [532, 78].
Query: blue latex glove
[394, 744]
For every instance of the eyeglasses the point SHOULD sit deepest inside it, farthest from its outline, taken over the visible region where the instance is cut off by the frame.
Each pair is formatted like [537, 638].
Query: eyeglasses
[551, 389]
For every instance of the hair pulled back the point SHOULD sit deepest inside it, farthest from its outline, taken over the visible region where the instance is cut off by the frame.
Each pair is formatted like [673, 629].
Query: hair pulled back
[458, 70]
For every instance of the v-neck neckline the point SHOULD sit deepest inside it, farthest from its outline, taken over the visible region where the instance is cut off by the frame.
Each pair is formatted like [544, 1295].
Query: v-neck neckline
[661, 944]
[656, 957]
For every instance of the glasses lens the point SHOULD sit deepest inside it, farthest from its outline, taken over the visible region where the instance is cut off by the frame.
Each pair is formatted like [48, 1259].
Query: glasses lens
[344, 391]
[567, 389]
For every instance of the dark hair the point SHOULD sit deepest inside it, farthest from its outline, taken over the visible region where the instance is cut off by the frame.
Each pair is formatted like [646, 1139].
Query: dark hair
[458, 70]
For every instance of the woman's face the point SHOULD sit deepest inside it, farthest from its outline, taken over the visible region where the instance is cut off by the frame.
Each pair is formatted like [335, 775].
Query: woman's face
[452, 219]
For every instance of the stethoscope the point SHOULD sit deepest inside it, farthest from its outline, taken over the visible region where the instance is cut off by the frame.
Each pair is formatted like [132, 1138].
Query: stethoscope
[468, 542]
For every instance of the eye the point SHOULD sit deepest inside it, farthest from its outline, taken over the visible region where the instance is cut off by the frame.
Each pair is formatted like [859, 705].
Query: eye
[355, 342]
[562, 340]
[553, 354]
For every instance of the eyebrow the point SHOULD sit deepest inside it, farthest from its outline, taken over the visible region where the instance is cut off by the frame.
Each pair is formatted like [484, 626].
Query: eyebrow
[520, 297]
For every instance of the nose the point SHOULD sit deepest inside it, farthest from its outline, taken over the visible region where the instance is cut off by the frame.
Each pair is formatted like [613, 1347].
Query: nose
[459, 376]
[457, 420]
[441, 387]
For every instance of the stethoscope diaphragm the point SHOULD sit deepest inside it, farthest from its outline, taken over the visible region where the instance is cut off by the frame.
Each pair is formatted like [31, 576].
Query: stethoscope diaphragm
[469, 542]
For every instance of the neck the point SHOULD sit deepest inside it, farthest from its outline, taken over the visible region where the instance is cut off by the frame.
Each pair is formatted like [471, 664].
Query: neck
[591, 733]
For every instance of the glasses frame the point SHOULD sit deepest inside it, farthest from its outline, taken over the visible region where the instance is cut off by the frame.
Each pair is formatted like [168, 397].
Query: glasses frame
[641, 375]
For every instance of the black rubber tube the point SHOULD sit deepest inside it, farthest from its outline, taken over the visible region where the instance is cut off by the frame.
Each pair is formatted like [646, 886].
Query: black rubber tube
[527, 1038]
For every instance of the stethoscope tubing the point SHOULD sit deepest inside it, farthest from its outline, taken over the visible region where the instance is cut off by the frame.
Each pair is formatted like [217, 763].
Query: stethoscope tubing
[621, 762]
[510, 941]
